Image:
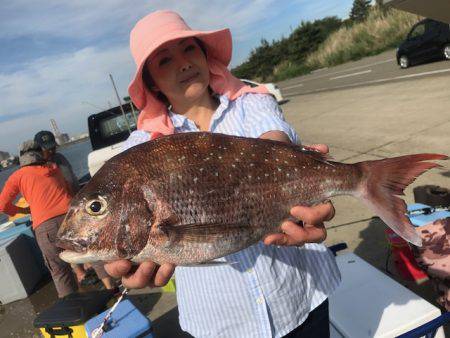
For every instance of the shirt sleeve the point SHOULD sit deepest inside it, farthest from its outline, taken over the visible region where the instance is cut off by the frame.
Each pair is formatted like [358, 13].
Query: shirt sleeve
[135, 138]
[7, 196]
[262, 114]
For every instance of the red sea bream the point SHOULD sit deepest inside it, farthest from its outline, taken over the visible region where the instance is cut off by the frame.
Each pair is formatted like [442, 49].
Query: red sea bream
[189, 198]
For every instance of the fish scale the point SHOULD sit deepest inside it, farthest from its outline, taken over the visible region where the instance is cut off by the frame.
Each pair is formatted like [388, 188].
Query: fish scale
[192, 197]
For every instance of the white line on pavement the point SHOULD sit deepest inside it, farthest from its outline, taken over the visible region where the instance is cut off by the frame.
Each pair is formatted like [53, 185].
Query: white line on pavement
[376, 81]
[294, 86]
[337, 72]
[353, 74]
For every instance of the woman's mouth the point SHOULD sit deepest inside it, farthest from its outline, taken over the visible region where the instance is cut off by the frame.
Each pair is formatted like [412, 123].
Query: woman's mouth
[190, 78]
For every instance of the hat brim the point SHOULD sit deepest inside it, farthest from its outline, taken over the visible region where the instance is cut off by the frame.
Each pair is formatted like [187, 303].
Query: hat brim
[218, 46]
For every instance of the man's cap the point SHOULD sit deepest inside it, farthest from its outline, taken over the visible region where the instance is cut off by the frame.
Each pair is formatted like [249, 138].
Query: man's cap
[45, 139]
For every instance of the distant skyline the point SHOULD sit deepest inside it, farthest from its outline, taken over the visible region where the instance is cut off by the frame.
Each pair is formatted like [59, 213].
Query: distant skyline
[56, 56]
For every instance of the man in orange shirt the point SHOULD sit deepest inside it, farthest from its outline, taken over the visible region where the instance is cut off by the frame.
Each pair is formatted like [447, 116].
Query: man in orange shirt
[45, 141]
[43, 186]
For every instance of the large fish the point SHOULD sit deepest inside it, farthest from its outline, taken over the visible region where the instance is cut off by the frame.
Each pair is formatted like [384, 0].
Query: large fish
[192, 197]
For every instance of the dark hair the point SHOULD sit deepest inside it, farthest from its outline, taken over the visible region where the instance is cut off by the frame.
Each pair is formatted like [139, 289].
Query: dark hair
[149, 83]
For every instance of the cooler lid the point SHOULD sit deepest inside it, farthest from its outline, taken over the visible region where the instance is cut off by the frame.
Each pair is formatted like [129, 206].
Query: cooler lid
[74, 309]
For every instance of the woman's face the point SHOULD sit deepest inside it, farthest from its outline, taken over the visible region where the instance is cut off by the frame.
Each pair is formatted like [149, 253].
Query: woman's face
[179, 70]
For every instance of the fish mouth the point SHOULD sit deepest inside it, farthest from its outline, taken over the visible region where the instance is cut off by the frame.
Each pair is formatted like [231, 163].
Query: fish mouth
[79, 246]
[74, 257]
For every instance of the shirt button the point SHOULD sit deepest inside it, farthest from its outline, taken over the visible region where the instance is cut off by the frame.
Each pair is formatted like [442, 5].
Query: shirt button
[260, 300]
[250, 270]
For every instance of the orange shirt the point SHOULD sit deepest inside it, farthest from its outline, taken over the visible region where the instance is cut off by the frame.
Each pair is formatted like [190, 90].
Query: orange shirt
[44, 188]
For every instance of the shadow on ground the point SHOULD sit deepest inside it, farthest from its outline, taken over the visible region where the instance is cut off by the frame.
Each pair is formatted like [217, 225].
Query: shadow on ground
[168, 325]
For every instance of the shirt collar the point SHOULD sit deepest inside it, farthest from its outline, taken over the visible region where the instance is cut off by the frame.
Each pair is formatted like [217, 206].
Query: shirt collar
[179, 120]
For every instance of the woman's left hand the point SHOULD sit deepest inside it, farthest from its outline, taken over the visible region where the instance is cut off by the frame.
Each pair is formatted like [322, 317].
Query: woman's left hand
[312, 230]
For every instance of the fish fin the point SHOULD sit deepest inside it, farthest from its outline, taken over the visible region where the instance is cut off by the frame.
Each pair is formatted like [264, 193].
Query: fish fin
[209, 263]
[202, 230]
[384, 180]
[317, 155]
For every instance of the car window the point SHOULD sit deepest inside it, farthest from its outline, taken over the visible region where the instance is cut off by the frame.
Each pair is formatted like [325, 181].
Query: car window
[116, 124]
[419, 30]
[432, 27]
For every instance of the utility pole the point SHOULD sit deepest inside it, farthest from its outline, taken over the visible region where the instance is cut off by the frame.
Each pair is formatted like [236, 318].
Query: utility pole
[120, 103]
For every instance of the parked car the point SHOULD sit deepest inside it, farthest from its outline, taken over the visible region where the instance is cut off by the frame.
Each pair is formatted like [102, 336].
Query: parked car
[107, 132]
[427, 40]
[271, 87]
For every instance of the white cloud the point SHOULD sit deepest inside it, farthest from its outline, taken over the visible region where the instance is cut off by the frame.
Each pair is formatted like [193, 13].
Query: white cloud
[57, 87]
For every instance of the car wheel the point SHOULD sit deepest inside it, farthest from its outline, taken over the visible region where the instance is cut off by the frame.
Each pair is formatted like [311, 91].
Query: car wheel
[446, 51]
[403, 61]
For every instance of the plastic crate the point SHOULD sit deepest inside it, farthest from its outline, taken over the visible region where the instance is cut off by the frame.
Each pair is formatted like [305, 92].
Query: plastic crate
[126, 322]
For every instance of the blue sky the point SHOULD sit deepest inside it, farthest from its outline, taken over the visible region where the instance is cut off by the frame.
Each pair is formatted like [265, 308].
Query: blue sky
[56, 55]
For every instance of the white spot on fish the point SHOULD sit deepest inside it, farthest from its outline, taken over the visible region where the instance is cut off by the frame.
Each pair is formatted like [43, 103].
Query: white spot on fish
[195, 179]
[266, 160]
[266, 175]
[252, 164]
[216, 173]
[286, 162]
[180, 177]
[249, 176]
[295, 169]
[220, 157]
[211, 154]
[287, 174]
[233, 165]
[201, 169]
[242, 153]
[279, 169]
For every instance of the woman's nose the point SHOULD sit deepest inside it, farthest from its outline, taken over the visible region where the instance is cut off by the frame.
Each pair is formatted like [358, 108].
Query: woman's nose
[185, 66]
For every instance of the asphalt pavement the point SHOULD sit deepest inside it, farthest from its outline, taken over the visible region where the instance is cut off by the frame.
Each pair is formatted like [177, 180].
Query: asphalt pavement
[373, 70]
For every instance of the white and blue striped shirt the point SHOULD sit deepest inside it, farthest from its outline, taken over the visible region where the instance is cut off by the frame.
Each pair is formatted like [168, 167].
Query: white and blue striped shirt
[271, 290]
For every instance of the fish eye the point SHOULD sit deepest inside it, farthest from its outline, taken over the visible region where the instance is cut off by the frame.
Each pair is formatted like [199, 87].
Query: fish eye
[96, 206]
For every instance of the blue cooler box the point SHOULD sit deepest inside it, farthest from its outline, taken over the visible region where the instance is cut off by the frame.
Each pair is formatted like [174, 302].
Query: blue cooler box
[419, 220]
[126, 322]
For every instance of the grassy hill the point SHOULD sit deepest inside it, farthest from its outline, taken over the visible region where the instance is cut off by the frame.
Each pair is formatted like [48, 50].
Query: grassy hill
[379, 32]
[326, 42]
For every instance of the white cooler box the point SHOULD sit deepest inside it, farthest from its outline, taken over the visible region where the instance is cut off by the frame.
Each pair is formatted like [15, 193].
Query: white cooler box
[19, 271]
[370, 304]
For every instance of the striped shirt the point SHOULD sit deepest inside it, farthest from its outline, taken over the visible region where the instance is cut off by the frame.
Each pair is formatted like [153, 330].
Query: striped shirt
[270, 290]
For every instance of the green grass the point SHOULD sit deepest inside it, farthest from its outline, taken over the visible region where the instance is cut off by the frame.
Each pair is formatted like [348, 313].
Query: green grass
[379, 32]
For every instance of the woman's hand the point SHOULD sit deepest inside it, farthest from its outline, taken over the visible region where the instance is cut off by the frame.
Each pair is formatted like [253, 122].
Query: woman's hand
[146, 274]
[312, 230]
[313, 218]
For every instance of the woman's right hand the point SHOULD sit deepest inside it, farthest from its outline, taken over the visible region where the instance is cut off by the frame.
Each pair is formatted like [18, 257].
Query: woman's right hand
[147, 273]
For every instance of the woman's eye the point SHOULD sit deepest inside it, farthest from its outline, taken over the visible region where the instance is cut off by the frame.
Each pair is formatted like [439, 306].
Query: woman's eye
[164, 61]
[189, 48]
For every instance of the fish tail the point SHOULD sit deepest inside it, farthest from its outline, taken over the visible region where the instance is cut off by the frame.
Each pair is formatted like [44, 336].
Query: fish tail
[384, 180]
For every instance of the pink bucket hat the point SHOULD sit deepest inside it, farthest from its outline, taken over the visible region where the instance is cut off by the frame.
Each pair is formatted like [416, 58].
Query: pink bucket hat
[160, 27]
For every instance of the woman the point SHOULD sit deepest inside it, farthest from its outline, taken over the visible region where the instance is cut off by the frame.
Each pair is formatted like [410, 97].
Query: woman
[182, 84]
